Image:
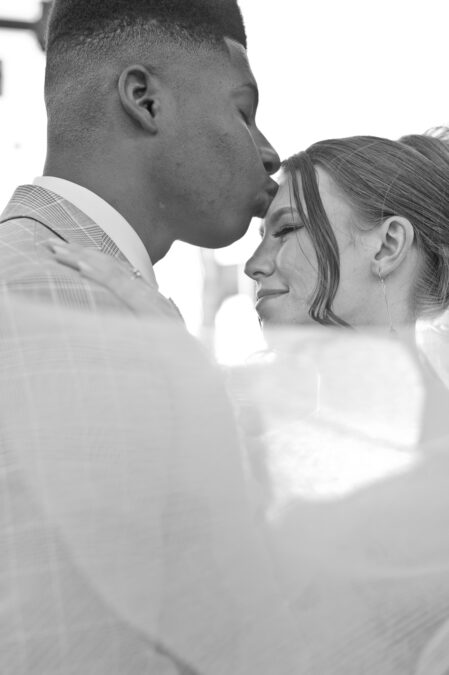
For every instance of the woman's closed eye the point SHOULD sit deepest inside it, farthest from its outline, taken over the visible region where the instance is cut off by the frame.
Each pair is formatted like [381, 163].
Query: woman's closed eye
[287, 229]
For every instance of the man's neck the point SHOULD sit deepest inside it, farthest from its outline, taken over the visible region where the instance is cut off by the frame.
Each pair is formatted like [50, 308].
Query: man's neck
[134, 204]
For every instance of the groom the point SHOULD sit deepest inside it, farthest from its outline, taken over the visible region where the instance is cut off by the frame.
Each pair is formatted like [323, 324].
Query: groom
[126, 541]
[151, 138]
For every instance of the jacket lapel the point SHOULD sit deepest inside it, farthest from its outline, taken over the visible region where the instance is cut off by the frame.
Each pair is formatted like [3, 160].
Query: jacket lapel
[59, 216]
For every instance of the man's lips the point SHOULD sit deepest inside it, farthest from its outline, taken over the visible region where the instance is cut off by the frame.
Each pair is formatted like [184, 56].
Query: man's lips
[266, 198]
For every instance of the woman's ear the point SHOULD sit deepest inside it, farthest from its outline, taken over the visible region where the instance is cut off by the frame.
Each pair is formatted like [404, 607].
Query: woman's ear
[396, 238]
[140, 95]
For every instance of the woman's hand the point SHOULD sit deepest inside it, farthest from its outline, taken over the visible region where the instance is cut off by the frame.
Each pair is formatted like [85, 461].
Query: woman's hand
[119, 277]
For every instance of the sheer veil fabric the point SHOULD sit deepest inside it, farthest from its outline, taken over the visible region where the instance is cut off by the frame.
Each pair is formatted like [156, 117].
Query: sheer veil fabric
[354, 465]
[143, 531]
[127, 535]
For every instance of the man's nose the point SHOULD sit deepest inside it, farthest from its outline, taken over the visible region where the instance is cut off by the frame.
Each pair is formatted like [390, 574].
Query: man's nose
[270, 157]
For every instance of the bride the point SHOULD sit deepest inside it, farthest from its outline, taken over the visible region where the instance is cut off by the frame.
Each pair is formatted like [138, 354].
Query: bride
[358, 235]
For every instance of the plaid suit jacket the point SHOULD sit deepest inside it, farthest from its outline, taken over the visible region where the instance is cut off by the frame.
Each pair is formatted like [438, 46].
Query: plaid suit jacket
[34, 215]
[126, 542]
[42, 629]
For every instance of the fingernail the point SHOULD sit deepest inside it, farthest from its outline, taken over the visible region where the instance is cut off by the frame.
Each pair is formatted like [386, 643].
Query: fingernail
[60, 250]
[52, 244]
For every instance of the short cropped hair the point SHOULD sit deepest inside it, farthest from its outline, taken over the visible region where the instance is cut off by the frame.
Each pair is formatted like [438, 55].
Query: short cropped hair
[85, 36]
[381, 178]
[86, 22]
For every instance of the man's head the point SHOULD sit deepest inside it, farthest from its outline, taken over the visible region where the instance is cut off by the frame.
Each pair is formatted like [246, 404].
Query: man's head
[158, 97]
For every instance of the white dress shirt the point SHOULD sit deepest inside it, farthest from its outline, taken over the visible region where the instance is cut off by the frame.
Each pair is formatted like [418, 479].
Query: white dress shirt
[106, 217]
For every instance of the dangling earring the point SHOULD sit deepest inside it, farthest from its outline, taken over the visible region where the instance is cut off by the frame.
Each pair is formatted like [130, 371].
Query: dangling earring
[384, 290]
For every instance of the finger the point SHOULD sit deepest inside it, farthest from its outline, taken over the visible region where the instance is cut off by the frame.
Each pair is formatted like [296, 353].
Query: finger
[90, 262]
[54, 242]
[108, 270]
[103, 265]
[65, 256]
[112, 273]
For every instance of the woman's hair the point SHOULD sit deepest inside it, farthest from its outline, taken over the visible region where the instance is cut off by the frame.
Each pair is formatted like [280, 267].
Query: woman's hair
[380, 178]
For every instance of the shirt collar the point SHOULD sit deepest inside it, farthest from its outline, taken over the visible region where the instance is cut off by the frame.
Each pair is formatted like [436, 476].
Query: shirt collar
[106, 217]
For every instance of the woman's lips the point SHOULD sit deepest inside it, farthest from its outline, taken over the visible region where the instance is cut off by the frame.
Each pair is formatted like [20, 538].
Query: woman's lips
[269, 293]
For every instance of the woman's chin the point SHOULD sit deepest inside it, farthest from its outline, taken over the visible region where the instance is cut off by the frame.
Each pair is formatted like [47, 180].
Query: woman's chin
[273, 321]
[282, 311]
[268, 321]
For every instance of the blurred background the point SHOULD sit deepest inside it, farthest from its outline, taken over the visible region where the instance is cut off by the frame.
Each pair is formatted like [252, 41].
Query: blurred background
[325, 69]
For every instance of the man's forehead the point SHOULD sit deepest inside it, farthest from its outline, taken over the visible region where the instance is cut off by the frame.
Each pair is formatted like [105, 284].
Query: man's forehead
[239, 59]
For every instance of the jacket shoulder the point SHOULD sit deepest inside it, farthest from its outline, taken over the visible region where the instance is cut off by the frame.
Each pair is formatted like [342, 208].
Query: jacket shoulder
[28, 270]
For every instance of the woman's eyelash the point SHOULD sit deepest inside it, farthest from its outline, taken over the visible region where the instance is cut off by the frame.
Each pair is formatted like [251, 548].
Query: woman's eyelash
[286, 229]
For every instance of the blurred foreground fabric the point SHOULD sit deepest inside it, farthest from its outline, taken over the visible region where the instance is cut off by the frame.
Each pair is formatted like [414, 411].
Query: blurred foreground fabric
[127, 538]
[142, 532]
[348, 437]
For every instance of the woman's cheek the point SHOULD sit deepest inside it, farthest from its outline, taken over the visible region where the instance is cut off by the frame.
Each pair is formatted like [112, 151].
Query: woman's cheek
[298, 267]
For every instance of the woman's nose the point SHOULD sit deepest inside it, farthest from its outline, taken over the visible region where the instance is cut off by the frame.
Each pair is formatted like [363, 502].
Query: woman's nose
[259, 265]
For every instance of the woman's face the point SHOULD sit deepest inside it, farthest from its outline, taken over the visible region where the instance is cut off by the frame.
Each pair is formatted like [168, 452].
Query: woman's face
[284, 266]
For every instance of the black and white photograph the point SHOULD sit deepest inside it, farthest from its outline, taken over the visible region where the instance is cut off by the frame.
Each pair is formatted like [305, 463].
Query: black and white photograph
[224, 337]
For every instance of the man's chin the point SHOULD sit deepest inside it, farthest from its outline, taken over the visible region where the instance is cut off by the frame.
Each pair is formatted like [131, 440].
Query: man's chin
[214, 240]
[227, 236]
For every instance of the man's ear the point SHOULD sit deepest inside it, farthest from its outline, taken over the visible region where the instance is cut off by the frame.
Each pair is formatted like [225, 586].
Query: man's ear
[396, 238]
[139, 92]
